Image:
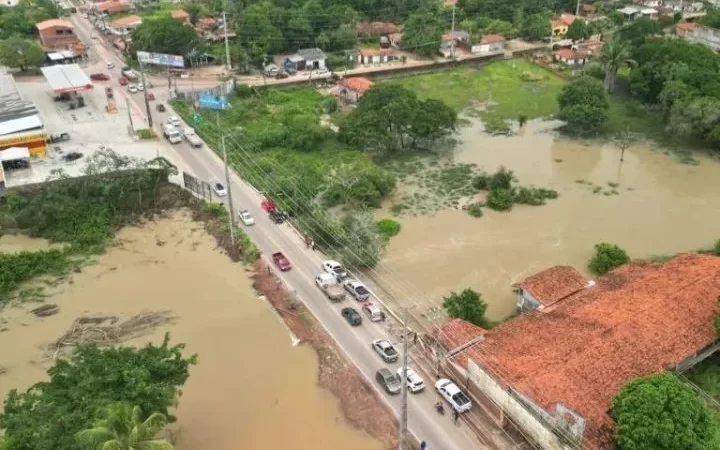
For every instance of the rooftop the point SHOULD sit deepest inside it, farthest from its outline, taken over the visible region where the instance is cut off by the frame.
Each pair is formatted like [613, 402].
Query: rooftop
[456, 35]
[558, 282]
[206, 23]
[12, 104]
[311, 54]
[639, 319]
[20, 125]
[379, 52]
[685, 27]
[629, 10]
[53, 23]
[458, 332]
[567, 19]
[112, 6]
[126, 21]
[67, 78]
[492, 39]
[357, 84]
[180, 14]
[377, 28]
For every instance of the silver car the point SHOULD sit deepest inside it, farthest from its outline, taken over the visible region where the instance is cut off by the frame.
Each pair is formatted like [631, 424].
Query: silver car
[385, 349]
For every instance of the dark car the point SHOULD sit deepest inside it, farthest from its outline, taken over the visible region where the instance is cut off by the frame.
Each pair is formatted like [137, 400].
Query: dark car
[58, 137]
[16, 164]
[160, 107]
[388, 380]
[352, 316]
[99, 77]
[282, 75]
[278, 216]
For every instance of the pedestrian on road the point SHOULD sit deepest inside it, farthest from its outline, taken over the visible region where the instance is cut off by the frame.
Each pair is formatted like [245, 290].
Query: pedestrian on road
[456, 416]
[423, 445]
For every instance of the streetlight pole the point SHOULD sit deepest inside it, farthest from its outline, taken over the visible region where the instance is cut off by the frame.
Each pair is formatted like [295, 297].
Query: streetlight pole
[231, 208]
[452, 32]
[145, 94]
[403, 384]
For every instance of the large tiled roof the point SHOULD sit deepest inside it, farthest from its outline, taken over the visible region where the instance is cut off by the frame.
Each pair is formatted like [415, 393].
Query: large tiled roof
[639, 319]
[555, 283]
[52, 23]
[457, 332]
[357, 84]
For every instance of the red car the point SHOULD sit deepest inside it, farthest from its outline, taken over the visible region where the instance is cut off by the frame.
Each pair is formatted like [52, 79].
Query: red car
[268, 205]
[99, 76]
[151, 96]
[281, 261]
[123, 81]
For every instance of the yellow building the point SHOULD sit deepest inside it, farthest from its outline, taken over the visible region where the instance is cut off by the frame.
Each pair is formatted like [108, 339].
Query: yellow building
[560, 25]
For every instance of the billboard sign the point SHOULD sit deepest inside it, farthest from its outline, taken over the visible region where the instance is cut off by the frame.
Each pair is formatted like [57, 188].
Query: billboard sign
[214, 102]
[161, 59]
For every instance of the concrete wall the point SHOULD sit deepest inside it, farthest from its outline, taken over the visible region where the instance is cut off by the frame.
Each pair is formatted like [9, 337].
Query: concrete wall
[531, 425]
[707, 36]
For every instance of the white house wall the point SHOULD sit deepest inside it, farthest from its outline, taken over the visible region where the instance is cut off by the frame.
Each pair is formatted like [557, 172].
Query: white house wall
[531, 425]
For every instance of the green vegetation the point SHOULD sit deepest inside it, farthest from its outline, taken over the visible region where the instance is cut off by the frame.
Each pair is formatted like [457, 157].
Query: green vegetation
[388, 228]
[17, 268]
[475, 209]
[247, 248]
[20, 53]
[146, 133]
[502, 194]
[660, 412]
[606, 258]
[707, 374]
[50, 414]
[584, 106]
[164, 35]
[20, 20]
[125, 427]
[467, 305]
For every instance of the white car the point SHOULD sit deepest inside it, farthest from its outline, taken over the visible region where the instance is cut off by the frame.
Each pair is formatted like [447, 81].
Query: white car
[140, 87]
[450, 392]
[109, 64]
[357, 290]
[174, 121]
[334, 268]
[219, 190]
[415, 383]
[94, 36]
[373, 313]
[385, 349]
[246, 218]
[132, 89]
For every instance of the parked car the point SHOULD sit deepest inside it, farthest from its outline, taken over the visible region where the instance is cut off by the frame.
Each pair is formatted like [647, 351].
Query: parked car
[334, 268]
[109, 64]
[123, 81]
[415, 383]
[174, 121]
[99, 76]
[278, 216]
[93, 35]
[160, 107]
[330, 287]
[132, 89]
[219, 190]
[388, 380]
[281, 261]
[58, 137]
[357, 290]
[352, 316]
[385, 349]
[373, 313]
[453, 395]
[140, 87]
[246, 218]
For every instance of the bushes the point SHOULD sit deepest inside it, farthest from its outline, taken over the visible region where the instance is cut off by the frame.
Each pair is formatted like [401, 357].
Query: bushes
[388, 228]
[500, 199]
[16, 268]
[475, 210]
[467, 305]
[607, 257]
[146, 133]
[503, 195]
[329, 105]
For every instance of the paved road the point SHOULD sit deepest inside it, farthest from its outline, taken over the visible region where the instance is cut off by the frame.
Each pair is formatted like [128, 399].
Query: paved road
[439, 431]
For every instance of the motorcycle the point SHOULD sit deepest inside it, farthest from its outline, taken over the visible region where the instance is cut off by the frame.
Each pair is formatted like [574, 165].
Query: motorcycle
[440, 408]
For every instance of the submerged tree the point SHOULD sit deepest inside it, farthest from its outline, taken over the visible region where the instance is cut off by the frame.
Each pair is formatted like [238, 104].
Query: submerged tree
[467, 305]
[623, 141]
[614, 55]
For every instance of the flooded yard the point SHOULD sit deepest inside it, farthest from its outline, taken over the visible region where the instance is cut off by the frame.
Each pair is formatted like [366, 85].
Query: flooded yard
[251, 389]
[649, 205]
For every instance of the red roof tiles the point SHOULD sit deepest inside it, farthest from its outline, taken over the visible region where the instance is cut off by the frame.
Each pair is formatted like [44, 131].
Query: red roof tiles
[366, 52]
[555, 283]
[356, 84]
[492, 39]
[179, 14]
[457, 332]
[685, 27]
[639, 319]
[53, 23]
[377, 28]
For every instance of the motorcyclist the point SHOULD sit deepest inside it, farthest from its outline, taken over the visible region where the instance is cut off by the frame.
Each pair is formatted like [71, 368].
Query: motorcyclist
[439, 407]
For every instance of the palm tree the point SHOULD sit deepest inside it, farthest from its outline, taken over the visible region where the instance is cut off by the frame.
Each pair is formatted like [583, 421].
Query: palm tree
[615, 54]
[124, 429]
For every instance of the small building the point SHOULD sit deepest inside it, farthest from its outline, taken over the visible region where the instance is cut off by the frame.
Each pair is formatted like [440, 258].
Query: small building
[181, 15]
[649, 3]
[305, 59]
[377, 29]
[457, 36]
[570, 56]
[395, 39]
[490, 43]
[629, 12]
[351, 89]
[56, 34]
[560, 24]
[377, 56]
[649, 13]
[67, 79]
[549, 287]
[206, 24]
[125, 25]
[111, 7]
[700, 34]
[20, 123]
[685, 28]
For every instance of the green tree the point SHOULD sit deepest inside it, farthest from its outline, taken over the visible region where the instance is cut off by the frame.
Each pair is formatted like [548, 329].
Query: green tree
[467, 305]
[20, 53]
[637, 32]
[584, 106]
[388, 227]
[125, 428]
[165, 35]
[578, 30]
[614, 55]
[660, 412]
[606, 258]
[711, 18]
[423, 32]
[536, 27]
[49, 414]
[362, 243]
[195, 10]
[699, 116]
[257, 33]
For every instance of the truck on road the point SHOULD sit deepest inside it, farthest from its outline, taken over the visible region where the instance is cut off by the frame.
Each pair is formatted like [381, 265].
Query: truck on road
[171, 134]
[192, 138]
[330, 286]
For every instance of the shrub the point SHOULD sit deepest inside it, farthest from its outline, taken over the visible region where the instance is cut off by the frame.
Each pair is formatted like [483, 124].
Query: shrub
[533, 196]
[329, 105]
[388, 228]
[481, 182]
[607, 257]
[716, 248]
[243, 90]
[501, 199]
[467, 305]
[146, 133]
[475, 210]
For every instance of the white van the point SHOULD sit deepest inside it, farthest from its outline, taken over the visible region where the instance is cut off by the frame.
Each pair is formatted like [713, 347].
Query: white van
[171, 133]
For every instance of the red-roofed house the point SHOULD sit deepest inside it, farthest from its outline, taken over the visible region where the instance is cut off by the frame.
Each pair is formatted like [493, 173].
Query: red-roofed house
[351, 89]
[560, 25]
[570, 57]
[458, 332]
[395, 39]
[555, 374]
[489, 43]
[125, 24]
[56, 34]
[112, 7]
[377, 28]
[549, 287]
[377, 55]
[181, 15]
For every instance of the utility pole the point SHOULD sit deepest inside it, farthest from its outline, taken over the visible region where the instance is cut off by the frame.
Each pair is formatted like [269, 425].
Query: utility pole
[227, 45]
[132, 127]
[145, 94]
[577, 9]
[452, 32]
[403, 384]
[231, 208]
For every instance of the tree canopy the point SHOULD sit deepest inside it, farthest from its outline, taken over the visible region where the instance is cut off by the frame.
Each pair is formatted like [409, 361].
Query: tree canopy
[125, 427]
[467, 305]
[165, 35]
[607, 257]
[20, 19]
[659, 412]
[584, 106]
[20, 53]
[51, 413]
[423, 32]
[578, 30]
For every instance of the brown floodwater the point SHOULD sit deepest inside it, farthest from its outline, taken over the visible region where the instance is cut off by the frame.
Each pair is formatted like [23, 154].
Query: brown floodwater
[661, 207]
[251, 390]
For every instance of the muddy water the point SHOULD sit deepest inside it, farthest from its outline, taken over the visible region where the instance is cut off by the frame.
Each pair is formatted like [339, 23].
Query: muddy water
[14, 243]
[661, 207]
[251, 390]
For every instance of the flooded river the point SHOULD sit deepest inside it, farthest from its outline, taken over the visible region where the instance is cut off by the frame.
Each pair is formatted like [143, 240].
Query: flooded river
[659, 207]
[251, 390]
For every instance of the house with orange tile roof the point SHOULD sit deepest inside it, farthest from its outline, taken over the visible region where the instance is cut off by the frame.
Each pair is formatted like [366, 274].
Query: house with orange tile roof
[549, 287]
[377, 55]
[111, 7]
[555, 373]
[560, 24]
[56, 34]
[126, 24]
[351, 89]
[490, 43]
[181, 15]
[571, 57]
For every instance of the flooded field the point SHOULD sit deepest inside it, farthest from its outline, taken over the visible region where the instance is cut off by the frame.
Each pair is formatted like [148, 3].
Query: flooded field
[251, 390]
[649, 205]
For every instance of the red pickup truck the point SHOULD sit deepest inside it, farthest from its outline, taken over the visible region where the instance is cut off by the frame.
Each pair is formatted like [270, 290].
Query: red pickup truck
[281, 261]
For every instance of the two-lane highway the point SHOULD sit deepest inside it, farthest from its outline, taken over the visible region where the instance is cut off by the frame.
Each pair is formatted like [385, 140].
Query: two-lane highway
[424, 422]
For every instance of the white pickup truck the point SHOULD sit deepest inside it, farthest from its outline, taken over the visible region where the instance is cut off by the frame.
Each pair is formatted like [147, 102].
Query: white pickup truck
[192, 138]
[329, 285]
[171, 133]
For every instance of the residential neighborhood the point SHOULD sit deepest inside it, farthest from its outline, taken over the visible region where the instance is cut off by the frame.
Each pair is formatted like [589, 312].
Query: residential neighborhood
[460, 225]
